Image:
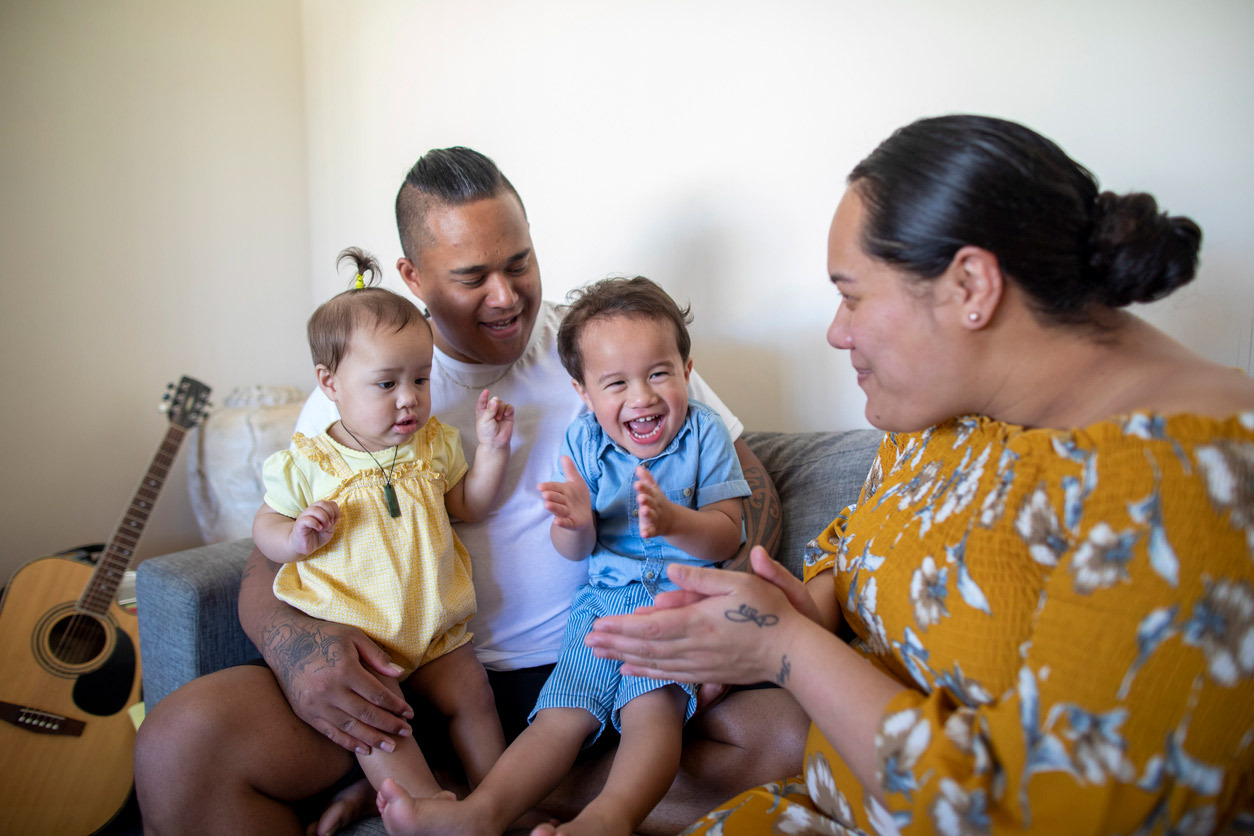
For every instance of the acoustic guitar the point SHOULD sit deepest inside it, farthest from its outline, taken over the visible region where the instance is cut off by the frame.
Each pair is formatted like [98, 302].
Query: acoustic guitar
[69, 669]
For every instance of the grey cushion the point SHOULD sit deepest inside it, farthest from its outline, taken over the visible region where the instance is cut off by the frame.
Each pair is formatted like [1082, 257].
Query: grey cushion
[817, 475]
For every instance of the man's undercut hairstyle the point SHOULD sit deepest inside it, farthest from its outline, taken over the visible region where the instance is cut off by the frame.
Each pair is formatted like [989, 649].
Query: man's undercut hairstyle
[444, 176]
[638, 298]
[332, 325]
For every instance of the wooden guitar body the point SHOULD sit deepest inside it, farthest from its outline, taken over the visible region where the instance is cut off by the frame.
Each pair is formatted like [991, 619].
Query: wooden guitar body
[69, 669]
[66, 681]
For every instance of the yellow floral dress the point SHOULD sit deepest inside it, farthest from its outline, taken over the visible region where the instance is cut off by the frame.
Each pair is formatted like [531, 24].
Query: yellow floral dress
[1072, 614]
[405, 581]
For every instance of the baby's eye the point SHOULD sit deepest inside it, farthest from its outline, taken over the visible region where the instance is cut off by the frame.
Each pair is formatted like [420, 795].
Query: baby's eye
[421, 381]
[385, 384]
[658, 375]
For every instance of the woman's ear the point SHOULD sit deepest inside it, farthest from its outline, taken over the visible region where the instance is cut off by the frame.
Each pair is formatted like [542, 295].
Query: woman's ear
[976, 280]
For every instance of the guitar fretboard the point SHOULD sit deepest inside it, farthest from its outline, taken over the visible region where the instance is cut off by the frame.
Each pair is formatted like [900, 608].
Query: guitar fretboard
[102, 588]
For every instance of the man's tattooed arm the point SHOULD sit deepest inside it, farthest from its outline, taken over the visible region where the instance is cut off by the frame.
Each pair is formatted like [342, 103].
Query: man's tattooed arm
[764, 519]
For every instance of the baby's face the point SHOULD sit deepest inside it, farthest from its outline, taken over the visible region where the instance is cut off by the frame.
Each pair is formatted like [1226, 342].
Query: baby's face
[634, 381]
[382, 386]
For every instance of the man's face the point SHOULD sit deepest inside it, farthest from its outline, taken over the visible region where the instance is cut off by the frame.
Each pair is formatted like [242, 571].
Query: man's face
[479, 278]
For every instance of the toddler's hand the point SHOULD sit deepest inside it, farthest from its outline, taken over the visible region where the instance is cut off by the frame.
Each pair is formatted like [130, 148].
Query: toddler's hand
[656, 511]
[569, 502]
[494, 420]
[314, 527]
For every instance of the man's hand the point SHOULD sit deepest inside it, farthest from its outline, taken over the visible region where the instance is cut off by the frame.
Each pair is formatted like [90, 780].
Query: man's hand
[569, 502]
[329, 673]
[314, 527]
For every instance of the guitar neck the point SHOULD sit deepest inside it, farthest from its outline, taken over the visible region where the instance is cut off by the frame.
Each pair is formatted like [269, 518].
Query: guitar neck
[102, 588]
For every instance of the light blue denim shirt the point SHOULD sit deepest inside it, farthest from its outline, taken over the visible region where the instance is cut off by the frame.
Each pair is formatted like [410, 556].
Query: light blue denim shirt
[697, 468]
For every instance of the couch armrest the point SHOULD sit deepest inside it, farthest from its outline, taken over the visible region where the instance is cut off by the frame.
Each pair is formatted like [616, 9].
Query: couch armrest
[188, 622]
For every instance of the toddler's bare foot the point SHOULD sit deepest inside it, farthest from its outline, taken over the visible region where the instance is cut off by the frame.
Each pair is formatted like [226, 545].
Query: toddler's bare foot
[404, 815]
[588, 823]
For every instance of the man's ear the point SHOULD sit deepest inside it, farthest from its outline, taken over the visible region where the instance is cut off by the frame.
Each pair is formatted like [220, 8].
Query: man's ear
[326, 382]
[583, 394]
[410, 276]
[975, 283]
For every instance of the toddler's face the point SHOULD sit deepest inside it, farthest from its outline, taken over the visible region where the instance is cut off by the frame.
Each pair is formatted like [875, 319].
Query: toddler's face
[634, 381]
[382, 386]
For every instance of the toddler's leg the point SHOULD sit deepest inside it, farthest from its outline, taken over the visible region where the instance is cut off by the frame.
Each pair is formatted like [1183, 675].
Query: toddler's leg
[528, 771]
[457, 686]
[644, 766]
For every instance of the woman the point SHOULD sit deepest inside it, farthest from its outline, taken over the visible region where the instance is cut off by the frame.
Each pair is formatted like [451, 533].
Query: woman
[1050, 570]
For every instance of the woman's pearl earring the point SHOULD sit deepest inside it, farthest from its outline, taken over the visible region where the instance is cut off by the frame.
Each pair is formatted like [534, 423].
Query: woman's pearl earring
[973, 316]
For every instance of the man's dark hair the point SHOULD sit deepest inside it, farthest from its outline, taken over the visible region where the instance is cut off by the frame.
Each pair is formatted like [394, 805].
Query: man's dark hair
[639, 298]
[450, 176]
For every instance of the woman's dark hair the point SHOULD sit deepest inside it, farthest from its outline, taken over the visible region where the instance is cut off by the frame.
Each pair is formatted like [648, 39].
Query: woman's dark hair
[331, 326]
[939, 184]
[639, 298]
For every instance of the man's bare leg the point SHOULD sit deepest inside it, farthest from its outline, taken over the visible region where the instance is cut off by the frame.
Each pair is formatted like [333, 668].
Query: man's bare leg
[225, 754]
[748, 739]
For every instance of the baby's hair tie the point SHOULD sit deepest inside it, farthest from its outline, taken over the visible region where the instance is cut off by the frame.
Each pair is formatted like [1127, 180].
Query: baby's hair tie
[361, 281]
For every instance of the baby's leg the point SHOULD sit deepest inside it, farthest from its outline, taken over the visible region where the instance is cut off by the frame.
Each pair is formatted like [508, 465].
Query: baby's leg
[458, 687]
[644, 766]
[405, 765]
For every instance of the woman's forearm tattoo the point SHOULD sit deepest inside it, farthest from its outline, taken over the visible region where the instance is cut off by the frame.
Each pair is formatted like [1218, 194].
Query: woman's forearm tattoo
[785, 671]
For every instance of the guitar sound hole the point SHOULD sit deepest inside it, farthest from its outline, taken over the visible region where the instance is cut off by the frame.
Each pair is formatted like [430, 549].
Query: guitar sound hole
[77, 639]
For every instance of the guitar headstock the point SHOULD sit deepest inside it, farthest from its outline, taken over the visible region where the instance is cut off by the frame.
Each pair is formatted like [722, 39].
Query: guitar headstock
[186, 402]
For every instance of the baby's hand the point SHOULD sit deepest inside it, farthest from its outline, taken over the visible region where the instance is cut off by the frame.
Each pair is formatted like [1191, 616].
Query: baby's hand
[569, 502]
[314, 527]
[494, 420]
[656, 511]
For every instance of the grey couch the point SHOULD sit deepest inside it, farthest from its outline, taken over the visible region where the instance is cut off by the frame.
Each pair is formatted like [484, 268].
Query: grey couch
[188, 625]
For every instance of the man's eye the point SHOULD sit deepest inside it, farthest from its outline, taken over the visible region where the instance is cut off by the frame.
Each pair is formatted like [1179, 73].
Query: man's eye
[475, 282]
[517, 269]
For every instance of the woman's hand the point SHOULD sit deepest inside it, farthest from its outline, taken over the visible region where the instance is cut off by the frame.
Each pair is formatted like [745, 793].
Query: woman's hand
[723, 627]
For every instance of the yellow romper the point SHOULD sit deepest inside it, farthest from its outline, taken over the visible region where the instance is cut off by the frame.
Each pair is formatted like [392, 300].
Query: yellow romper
[405, 582]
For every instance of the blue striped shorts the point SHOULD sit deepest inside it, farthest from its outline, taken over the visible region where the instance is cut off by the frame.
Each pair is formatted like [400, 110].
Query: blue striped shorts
[581, 680]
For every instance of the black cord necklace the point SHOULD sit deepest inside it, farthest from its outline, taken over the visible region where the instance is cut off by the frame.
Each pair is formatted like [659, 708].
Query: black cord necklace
[389, 493]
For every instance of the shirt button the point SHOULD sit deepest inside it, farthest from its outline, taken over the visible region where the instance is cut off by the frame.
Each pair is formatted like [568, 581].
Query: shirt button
[687, 491]
[649, 575]
[635, 512]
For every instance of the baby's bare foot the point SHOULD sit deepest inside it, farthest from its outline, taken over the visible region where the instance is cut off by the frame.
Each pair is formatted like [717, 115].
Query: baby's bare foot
[349, 804]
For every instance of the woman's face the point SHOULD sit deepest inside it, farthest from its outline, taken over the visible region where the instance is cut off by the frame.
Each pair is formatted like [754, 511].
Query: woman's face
[888, 323]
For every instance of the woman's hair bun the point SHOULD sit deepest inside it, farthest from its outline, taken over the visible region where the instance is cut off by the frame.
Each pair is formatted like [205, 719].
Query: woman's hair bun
[1138, 254]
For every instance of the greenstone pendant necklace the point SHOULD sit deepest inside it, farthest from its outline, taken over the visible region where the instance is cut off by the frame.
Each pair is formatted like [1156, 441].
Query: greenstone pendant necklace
[389, 493]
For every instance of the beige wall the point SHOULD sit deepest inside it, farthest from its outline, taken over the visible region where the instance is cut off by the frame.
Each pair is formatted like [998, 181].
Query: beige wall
[153, 223]
[178, 177]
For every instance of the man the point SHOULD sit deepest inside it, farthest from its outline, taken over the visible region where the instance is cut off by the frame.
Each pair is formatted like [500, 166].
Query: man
[231, 751]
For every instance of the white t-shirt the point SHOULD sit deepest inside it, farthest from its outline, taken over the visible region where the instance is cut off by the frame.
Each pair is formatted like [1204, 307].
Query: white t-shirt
[523, 586]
